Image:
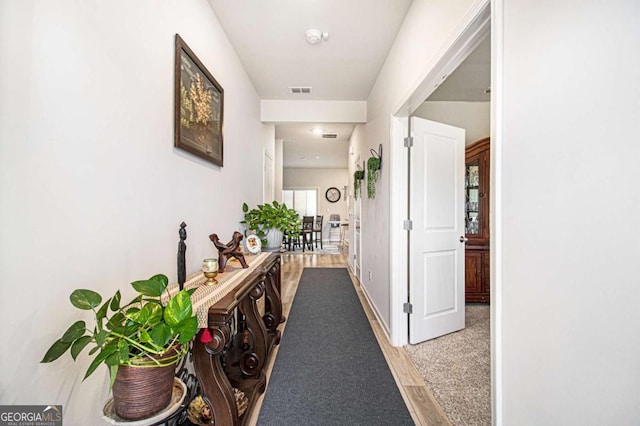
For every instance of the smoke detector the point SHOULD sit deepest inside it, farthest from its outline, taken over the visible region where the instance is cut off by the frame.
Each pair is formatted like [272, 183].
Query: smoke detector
[316, 36]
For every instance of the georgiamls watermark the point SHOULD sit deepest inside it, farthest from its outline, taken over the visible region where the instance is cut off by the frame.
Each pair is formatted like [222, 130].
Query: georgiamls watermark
[30, 415]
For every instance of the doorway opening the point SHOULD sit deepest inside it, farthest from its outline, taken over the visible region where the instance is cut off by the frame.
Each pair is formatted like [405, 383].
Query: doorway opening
[461, 48]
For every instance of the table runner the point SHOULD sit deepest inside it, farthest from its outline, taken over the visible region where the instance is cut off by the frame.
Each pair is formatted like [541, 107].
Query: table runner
[207, 295]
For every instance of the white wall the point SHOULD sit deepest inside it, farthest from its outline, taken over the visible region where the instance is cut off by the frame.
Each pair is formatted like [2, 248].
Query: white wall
[566, 211]
[355, 158]
[269, 179]
[322, 179]
[92, 189]
[284, 111]
[426, 28]
[564, 166]
[277, 190]
[474, 117]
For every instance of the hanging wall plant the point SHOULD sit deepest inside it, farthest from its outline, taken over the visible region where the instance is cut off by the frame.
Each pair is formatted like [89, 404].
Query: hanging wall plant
[358, 177]
[374, 164]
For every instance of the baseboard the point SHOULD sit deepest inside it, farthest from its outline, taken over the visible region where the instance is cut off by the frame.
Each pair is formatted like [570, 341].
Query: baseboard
[383, 325]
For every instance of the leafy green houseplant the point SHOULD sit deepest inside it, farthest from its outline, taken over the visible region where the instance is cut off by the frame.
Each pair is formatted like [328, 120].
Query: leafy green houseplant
[373, 171]
[358, 177]
[144, 333]
[270, 218]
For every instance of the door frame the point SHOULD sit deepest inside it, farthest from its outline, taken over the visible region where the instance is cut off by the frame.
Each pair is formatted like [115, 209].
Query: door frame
[473, 29]
[484, 17]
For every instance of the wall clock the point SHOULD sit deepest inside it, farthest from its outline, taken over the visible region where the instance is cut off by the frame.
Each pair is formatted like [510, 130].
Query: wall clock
[332, 194]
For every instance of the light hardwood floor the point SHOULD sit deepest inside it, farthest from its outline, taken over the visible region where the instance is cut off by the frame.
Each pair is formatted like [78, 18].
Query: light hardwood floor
[420, 402]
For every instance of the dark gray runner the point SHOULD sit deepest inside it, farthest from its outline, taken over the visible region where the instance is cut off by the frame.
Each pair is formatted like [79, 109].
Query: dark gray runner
[329, 369]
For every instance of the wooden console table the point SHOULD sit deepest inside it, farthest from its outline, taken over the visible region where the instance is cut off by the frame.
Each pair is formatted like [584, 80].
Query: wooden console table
[243, 337]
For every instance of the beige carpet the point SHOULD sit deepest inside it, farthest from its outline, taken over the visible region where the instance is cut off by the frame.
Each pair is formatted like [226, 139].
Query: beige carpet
[457, 369]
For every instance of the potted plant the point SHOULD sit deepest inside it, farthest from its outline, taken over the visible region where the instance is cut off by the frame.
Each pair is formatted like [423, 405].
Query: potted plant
[373, 171]
[270, 222]
[358, 177]
[141, 342]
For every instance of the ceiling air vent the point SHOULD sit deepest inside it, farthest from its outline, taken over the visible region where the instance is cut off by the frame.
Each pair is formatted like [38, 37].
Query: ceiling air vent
[329, 135]
[300, 90]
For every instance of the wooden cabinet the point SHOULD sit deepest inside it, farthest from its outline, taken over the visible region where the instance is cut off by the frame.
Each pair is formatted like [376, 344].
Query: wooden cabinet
[477, 222]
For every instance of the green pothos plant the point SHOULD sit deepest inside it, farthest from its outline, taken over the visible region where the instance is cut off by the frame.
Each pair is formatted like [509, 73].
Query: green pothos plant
[373, 171]
[136, 334]
[268, 216]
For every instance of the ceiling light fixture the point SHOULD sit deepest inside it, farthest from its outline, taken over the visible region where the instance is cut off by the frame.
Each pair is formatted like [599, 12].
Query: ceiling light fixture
[316, 36]
[317, 131]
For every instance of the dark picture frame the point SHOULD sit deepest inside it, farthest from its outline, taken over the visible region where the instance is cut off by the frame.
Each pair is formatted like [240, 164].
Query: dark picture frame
[199, 107]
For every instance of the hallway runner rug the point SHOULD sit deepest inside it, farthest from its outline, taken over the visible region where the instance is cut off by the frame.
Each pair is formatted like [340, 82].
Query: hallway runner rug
[330, 369]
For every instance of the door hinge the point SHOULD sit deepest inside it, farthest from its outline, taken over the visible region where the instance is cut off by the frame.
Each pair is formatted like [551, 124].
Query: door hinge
[407, 308]
[407, 225]
[408, 142]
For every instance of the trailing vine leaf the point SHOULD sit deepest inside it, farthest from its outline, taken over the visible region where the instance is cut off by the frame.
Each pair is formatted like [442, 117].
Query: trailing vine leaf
[85, 299]
[161, 334]
[123, 352]
[115, 301]
[102, 312]
[74, 332]
[56, 350]
[79, 345]
[106, 351]
[113, 371]
[152, 287]
[186, 329]
[178, 309]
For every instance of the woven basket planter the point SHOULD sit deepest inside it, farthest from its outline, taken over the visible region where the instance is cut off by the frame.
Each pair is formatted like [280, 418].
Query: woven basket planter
[141, 392]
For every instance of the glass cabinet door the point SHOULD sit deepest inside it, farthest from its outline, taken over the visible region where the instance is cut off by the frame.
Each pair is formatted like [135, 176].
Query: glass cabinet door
[472, 195]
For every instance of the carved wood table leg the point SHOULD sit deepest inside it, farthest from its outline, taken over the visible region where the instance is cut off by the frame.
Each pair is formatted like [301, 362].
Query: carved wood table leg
[253, 359]
[213, 382]
[273, 303]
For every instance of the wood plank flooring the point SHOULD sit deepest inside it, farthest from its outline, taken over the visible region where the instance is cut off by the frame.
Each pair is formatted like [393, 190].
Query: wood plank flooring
[420, 402]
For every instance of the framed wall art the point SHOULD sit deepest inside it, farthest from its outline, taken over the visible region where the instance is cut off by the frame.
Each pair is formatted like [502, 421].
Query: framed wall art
[199, 107]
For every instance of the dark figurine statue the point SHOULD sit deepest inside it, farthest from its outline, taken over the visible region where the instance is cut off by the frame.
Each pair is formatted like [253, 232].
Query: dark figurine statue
[182, 248]
[231, 249]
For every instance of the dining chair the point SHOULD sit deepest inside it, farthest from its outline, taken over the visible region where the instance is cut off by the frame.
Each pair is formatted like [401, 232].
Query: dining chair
[307, 232]
[334, 222]
[317, 231]
[291, 240]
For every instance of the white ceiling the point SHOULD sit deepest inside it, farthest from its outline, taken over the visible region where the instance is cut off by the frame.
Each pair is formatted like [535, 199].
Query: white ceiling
[269, 38]
[304, 149]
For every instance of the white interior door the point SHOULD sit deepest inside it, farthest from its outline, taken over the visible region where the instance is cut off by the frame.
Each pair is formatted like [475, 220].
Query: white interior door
[436, 249]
